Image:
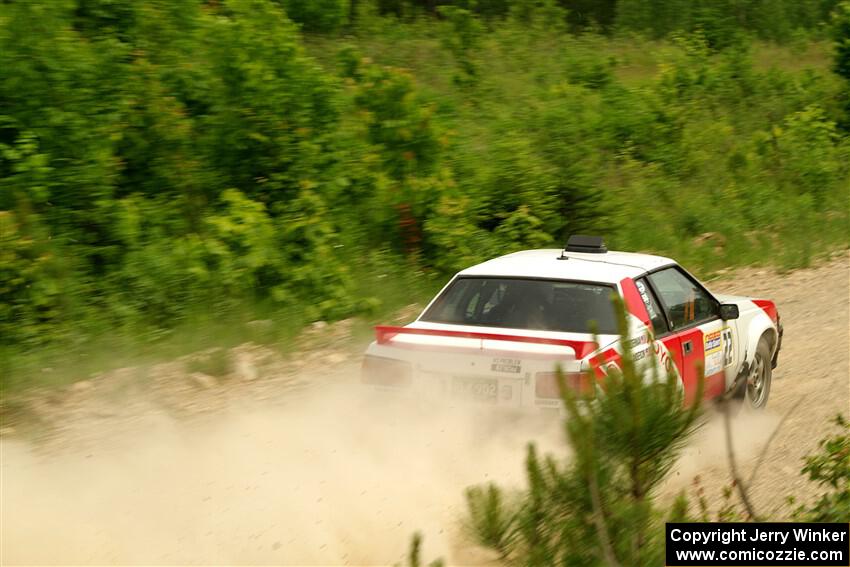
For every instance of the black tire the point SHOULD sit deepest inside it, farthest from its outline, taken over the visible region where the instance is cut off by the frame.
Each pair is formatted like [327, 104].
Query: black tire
[755, 390]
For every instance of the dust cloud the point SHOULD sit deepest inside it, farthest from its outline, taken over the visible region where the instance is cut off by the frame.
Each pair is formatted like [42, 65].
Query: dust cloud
[334, 476]
[707, 449]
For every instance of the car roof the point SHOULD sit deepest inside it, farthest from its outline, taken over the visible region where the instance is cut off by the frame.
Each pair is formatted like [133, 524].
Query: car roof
[608, 267]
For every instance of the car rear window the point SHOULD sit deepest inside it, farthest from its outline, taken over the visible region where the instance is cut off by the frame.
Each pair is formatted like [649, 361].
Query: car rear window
[534, 304]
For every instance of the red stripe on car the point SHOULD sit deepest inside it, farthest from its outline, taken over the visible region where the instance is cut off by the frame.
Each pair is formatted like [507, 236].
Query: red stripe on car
[601, 361]
[634, 303]
[769, 307]
[385, 333]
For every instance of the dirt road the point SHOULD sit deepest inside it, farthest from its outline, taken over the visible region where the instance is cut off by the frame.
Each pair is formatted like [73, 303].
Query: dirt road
[812, 381]
[283, 461]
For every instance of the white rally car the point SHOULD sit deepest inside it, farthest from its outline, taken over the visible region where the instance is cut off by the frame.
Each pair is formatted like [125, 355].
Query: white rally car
[497, 331]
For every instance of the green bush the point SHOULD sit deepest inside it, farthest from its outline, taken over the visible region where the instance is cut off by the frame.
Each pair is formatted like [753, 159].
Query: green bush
[841, 64]
[31, 282]
[842, 40]
[318, 15]
[723, 21]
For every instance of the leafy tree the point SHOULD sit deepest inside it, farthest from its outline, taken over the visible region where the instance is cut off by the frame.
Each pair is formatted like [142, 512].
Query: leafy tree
[401, 128]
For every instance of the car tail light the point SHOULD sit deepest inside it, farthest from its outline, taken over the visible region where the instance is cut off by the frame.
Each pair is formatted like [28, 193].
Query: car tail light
[382, 371]
[546, 384]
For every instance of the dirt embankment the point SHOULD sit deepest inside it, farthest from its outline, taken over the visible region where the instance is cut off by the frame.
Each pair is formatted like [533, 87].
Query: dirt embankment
[285, 461]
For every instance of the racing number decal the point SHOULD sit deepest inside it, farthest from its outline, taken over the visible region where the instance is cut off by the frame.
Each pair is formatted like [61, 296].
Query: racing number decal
[728, 348]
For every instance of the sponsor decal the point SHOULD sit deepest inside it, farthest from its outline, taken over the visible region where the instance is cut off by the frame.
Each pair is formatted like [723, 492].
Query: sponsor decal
[641, 354]
[639, 346]
[728, 347]
[644, 295]
[664, 358]
[713, 346]
[712, 341]
[638, 341]
[511, 365]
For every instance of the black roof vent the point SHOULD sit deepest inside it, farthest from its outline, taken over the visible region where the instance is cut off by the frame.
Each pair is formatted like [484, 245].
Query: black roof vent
[587, 244]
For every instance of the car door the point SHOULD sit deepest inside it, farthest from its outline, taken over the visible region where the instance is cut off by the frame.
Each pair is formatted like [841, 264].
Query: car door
[695, 334]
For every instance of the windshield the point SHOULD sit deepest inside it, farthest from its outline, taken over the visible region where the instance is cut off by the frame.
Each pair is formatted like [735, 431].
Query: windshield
[542, 305]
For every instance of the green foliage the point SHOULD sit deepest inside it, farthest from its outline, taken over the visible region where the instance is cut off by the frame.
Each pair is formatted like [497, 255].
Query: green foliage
[830, 468]
[317, 15]
[841, 27]
[31, 288]
[723, 21]
[206, 157]
[597, 507]
[414, 558]
[841, 64]
[453, 231]
[538, 14]
[807, 155]
[397, 121]
[156, 114]
[770, 19]
[462, 40]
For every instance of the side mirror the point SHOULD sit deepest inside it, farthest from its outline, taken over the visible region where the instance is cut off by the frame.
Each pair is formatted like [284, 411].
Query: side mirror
[729, 311]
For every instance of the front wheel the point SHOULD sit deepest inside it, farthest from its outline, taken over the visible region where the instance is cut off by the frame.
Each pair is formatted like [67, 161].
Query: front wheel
[757, 386]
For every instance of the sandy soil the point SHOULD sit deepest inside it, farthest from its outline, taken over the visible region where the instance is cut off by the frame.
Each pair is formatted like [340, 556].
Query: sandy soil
[286, 461]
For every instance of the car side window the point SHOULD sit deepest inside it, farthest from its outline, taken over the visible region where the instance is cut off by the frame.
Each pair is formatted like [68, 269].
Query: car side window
[656, 315]
[686, 302]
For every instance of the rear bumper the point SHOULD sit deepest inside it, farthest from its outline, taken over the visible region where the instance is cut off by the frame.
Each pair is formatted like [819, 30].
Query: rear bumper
[443, 397]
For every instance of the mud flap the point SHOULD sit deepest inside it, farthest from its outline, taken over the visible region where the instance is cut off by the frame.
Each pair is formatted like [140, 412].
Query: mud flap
[739, 386]
[775, 360]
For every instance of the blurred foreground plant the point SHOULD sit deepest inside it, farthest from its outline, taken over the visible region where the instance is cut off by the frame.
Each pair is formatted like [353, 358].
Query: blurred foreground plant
[830, 468]
[597, 506]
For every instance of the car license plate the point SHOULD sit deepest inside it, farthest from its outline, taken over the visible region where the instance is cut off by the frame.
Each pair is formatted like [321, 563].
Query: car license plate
[481, 389]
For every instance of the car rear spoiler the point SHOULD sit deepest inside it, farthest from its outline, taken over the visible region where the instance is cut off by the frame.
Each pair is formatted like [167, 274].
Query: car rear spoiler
[385, 333]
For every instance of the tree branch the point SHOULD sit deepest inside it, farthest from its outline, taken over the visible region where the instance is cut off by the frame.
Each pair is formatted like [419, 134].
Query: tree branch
[770, 439]
[599, 522]
[730, 452]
